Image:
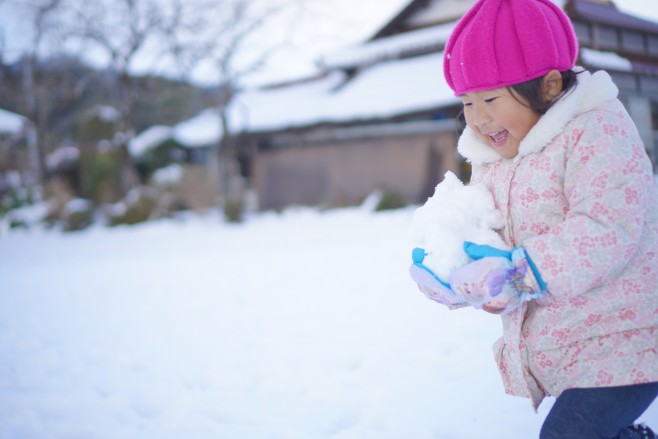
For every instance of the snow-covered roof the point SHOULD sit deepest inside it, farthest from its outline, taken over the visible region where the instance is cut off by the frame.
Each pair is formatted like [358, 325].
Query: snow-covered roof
[392, 88]
[605, 60]
[267, 108]
[427, 39]
[384, 90]
[203, 129]
[11, 123]
[148, 139]
[300, 104]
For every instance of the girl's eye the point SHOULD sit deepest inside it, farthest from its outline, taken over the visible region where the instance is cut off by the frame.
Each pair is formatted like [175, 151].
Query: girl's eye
[490, 100]
[467, 104]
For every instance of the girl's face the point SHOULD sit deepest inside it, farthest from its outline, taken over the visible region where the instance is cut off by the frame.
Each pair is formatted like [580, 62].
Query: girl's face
[499, 119]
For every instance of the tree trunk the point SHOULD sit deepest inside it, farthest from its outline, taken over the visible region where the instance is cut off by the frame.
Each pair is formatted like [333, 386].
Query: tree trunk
[229, 173]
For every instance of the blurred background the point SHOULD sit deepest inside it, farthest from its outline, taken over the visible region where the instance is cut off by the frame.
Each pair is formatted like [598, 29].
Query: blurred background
[124, 111]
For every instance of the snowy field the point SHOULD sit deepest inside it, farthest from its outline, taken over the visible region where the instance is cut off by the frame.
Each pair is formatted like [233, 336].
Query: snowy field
[299, 325]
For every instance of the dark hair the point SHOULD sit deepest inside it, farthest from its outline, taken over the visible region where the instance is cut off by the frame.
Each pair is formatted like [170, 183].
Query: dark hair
[532, 91]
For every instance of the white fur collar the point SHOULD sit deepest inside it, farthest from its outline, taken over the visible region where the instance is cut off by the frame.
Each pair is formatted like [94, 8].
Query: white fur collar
[592, 89]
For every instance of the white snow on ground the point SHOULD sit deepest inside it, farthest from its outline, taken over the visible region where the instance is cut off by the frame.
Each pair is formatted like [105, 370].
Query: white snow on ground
[302, 325]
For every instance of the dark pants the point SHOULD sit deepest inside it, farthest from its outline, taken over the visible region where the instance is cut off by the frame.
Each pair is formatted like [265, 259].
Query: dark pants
[598, 413]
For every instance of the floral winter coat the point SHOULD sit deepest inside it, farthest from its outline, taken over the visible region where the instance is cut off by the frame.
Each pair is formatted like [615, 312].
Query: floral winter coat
[581, 198]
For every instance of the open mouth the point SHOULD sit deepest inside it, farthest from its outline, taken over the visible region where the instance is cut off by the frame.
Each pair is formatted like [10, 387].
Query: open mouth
[498, 138]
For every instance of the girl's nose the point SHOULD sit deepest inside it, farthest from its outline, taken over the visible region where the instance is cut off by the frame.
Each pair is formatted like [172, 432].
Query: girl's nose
[481, 117]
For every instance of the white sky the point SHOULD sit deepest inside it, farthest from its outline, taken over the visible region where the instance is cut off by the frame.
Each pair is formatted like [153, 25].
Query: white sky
[334, 24]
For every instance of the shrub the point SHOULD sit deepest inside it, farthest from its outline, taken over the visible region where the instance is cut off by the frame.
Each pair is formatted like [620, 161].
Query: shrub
[138, 206]
[16, 198]
[233, 210]
[78, 214]
[390, 199]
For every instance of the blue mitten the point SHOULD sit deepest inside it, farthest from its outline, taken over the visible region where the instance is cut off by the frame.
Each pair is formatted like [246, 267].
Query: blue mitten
[497, 281]
[430, 284]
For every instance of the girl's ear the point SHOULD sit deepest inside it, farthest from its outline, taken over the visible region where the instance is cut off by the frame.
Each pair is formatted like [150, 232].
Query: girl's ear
[551, 85]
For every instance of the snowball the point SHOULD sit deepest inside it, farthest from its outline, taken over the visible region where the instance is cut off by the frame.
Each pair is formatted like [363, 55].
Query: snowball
[454, 214]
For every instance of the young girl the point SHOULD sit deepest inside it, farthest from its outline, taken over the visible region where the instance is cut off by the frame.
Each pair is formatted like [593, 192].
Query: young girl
[568, 170]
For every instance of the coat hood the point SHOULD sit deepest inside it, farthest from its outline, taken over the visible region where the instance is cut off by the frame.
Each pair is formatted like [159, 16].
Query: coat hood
[591, 90]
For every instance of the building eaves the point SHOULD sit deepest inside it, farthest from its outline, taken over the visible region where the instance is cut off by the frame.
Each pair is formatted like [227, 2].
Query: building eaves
[607, 13]
[393, 26]
[413, 43]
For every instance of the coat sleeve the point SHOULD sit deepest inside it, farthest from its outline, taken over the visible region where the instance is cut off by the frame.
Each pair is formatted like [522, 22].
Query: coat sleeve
[608, 185]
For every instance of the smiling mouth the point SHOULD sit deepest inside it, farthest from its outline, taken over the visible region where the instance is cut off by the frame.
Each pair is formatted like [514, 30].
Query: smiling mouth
[498, 137]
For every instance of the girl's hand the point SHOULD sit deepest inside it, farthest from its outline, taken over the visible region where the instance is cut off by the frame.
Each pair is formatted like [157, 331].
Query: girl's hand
[497, 281]
[429, 283]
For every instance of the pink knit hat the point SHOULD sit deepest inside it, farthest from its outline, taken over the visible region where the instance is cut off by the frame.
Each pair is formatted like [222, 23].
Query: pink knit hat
[504, 42]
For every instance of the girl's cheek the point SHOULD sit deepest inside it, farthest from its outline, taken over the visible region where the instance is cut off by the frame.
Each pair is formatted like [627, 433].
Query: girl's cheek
[468, 120]
[474, 128]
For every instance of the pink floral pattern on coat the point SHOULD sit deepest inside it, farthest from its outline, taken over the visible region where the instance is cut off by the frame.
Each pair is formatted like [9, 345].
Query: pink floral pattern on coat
[585, 208]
